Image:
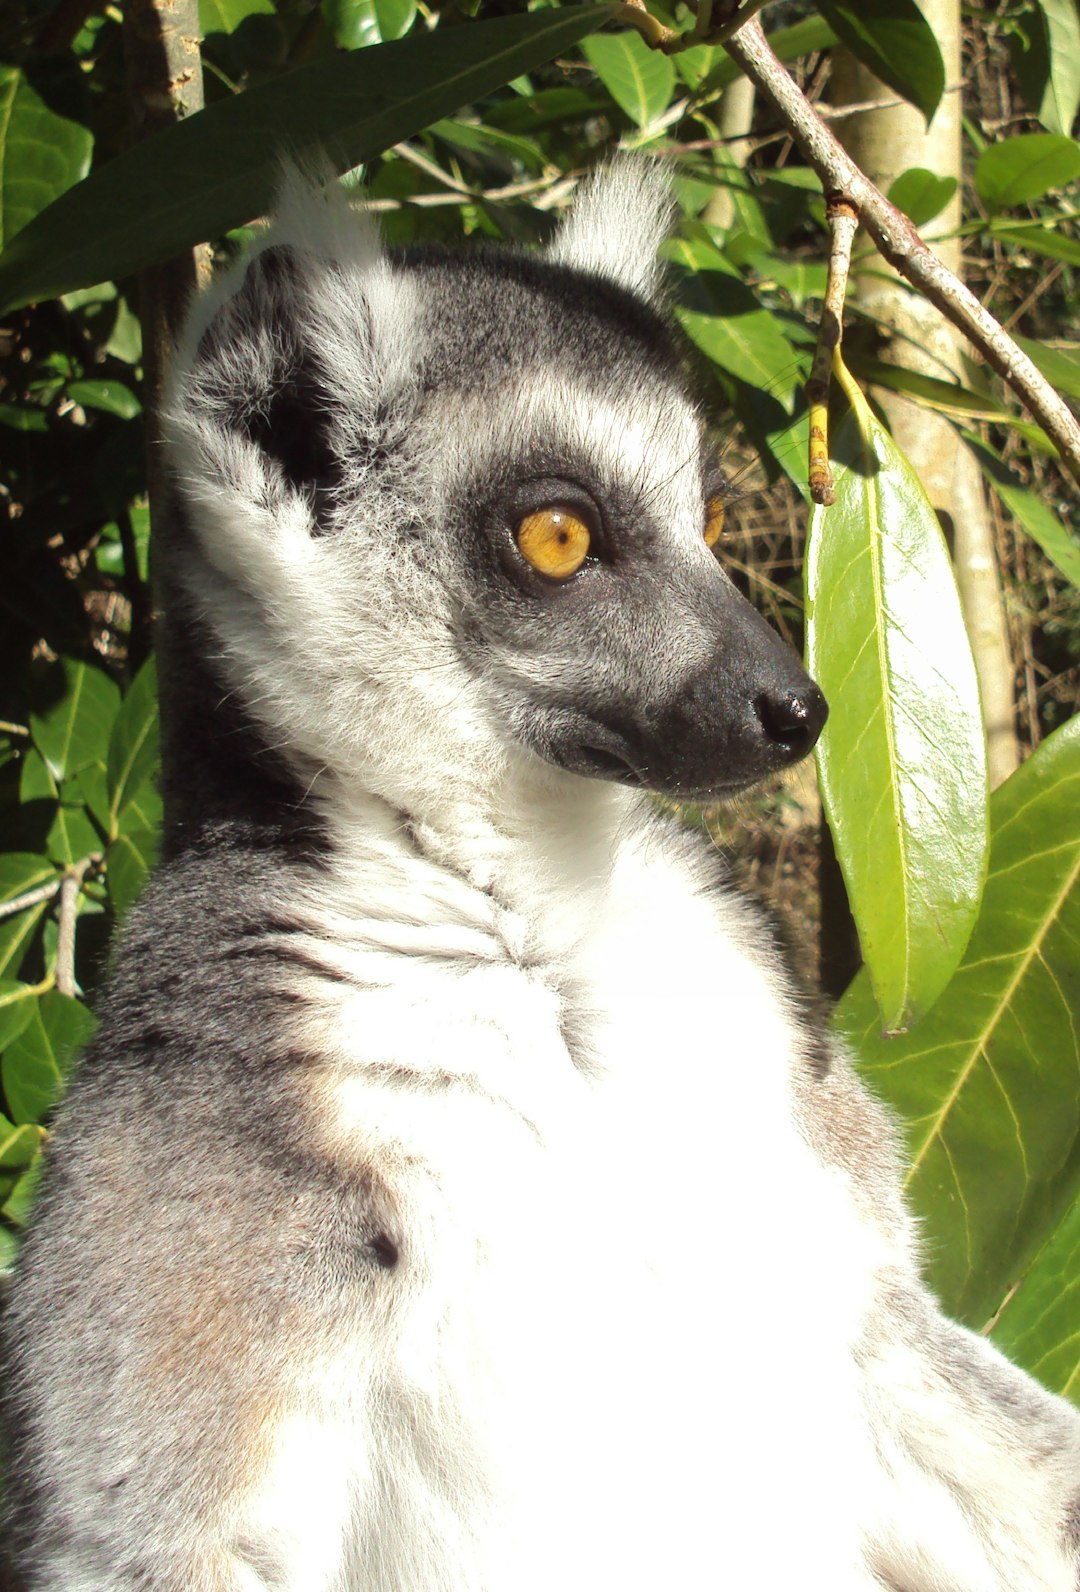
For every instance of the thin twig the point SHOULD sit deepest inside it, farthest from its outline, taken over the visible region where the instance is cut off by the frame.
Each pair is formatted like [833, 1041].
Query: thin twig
[30, 898]
[843, 221]
[901, 245]
[70, 885]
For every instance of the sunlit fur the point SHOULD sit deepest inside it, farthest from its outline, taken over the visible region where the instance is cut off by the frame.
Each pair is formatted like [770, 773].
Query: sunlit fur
[459, 1196]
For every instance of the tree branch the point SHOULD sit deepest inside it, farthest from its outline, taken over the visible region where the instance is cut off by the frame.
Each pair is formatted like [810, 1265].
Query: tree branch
[901, 245]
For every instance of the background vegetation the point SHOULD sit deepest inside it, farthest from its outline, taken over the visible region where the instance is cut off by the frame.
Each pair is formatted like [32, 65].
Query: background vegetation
[966, 1013]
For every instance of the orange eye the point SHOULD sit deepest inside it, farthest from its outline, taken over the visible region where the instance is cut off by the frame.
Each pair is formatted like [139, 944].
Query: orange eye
[553, 541]
[714, 521]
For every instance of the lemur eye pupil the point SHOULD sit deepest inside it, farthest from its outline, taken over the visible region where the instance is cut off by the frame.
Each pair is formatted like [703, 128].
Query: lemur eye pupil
[554, 541]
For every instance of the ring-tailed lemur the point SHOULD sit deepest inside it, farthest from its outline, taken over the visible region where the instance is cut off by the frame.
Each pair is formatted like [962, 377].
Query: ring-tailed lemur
[457, 1198]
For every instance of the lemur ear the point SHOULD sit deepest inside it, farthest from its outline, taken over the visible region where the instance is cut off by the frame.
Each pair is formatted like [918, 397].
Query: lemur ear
[291, 363]
[620, 217]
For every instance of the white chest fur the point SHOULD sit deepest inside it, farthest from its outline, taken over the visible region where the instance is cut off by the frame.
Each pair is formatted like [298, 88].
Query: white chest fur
[619, 1259]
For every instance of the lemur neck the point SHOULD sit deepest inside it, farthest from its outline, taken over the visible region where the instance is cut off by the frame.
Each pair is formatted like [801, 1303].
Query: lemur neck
[538, 851]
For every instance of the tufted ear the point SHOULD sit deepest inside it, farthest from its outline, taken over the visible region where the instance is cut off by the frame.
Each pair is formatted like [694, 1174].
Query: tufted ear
[620, 217]
[289, 372]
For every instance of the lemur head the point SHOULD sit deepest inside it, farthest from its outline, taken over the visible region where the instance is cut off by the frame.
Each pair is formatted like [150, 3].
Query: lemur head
[452, 511]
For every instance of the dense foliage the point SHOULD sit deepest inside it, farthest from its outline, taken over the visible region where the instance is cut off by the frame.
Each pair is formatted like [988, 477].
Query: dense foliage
[968, 912]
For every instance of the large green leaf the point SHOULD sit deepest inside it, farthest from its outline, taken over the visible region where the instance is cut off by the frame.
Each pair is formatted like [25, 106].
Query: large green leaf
[41, 152]
[1025, 167]
[989, 1082]
[894, 39]
[35, 1065]
[77, 706]
[219, 168]
[639, 80]
[902, 762]
[135, 744]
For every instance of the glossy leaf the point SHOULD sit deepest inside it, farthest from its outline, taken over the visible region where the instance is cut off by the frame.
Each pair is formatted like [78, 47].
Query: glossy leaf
[178, 188]
[42, 153]
[902, 762]
[640, 81]
[1032, 511]
[751, 346]
[894, 39]
[989, 1082]
[78, 704]
[131, 857]
[921, 194]
[1025, 167]
[356, 24]
[134, 747]
[35, 1066]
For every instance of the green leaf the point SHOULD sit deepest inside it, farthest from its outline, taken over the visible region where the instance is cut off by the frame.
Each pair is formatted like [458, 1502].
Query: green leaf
[356, 24]
[225, 16]
[41, 153]
[750, 346]
[1032, 511]
[35, 1066]
[990, 1082]
[71, 835]
[130, 858]
[9, 1248]
[76, 707]
[902, 762]
[111, 397]
[1025, 167]
[134, 747]
[16, 1009]
[1036, 239]
[477, 139]
[18, 1203]
[894, 39]
[1039, 1326]
[640, 81]
[20, 872]
[920, 194]
[36, 783]
[1061, 96]
[219, 168]
[1060, 366]
[18, 1145]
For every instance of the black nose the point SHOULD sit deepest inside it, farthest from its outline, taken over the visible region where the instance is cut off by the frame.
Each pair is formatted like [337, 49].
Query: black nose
[792, 719]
